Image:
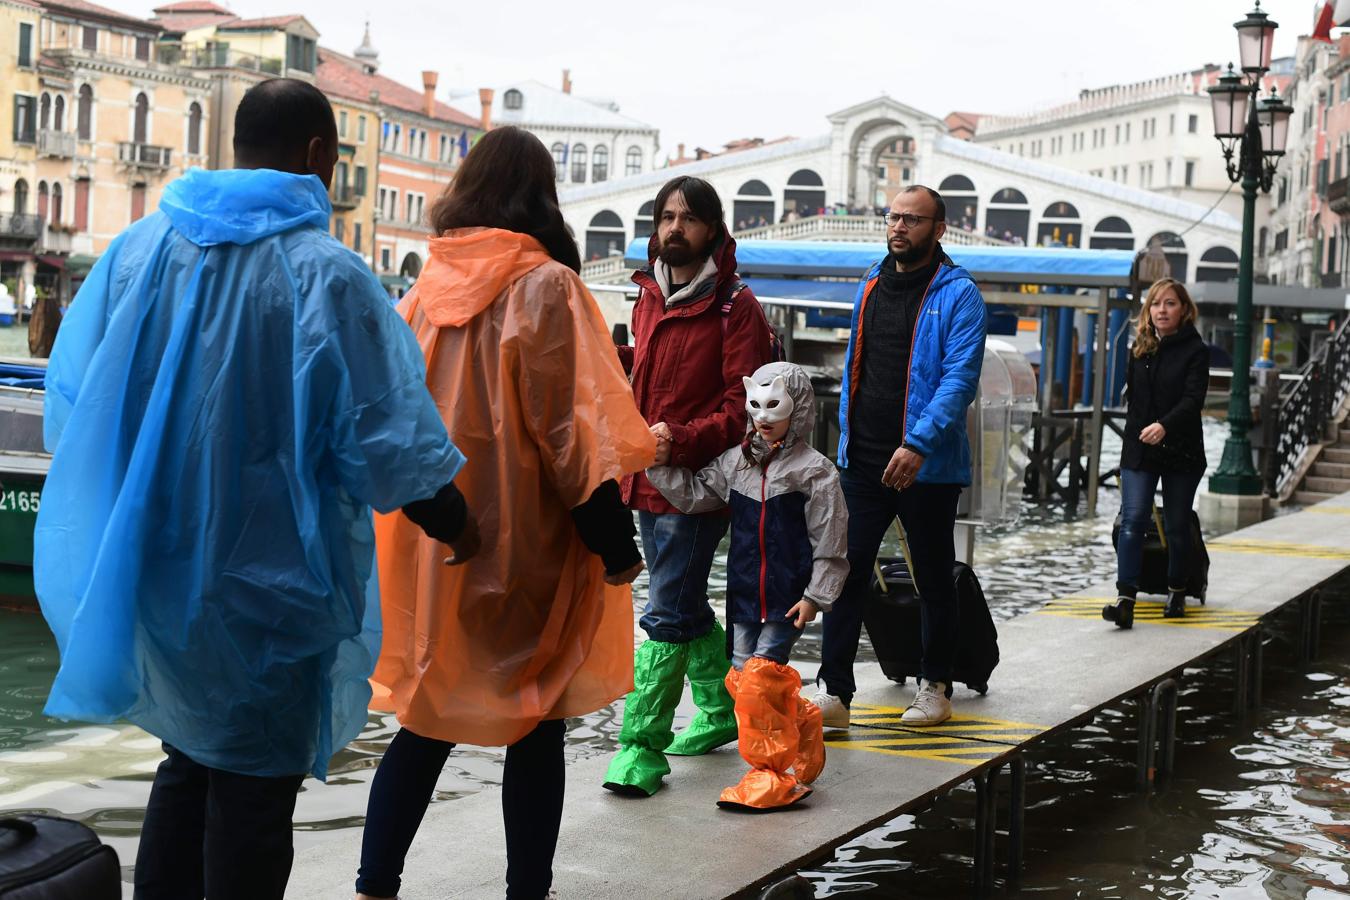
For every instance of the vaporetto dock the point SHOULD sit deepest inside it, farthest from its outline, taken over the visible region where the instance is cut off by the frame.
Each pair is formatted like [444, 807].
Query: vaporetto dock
[679, 844]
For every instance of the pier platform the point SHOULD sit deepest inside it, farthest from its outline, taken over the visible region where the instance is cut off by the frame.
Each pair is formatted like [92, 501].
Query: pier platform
[680, 844]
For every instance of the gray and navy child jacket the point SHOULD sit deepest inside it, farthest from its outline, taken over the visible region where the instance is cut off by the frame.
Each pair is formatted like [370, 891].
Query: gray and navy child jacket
[789, 523]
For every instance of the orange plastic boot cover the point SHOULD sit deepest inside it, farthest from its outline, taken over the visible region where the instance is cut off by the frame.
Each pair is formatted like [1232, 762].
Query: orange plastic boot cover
[810, 743]
[766, 717]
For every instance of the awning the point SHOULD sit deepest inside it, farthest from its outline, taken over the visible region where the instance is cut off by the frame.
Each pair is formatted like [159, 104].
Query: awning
[15, 256]
[56, 262]
[396, 281]
[989, 265]
[79, 264]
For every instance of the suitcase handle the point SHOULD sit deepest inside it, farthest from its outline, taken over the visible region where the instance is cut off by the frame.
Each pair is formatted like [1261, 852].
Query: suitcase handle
[27, 829]
[904, 552]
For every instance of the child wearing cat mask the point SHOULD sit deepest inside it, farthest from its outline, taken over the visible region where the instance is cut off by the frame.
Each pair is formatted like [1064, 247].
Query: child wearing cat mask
[788, 561]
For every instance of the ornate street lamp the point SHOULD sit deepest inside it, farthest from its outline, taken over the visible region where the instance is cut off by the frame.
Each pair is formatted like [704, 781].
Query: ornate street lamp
[1256, 131]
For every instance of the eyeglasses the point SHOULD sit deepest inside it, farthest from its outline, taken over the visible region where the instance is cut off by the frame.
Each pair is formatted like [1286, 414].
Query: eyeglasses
[910, 219]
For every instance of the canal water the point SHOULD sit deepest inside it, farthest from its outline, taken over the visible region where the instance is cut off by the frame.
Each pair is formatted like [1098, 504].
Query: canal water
[1259, 807]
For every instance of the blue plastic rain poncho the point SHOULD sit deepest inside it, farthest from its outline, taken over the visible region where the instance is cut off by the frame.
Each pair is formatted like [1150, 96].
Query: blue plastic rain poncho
[229, 394]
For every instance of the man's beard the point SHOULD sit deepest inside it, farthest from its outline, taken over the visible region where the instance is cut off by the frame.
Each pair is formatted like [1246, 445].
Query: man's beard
[678, 254]
[914, 252]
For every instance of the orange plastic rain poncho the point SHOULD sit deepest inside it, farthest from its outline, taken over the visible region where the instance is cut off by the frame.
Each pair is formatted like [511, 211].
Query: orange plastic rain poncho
[526, 377]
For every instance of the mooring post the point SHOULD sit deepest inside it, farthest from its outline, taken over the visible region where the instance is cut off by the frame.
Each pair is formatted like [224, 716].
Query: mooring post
[1017, 805]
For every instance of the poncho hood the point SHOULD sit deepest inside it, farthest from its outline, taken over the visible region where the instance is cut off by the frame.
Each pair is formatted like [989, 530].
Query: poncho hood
[241, 206]
[471, 267]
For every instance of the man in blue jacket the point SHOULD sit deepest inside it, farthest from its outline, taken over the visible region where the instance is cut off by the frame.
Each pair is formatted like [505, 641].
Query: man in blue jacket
[911, 370]
[229, 395]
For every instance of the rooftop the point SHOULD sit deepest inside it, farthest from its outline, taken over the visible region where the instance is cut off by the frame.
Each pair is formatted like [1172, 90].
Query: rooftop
[85, 8]
[345, 76]
[544, 105]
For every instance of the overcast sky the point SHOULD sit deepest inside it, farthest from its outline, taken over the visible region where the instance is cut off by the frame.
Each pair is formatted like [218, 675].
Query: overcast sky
[707, 72]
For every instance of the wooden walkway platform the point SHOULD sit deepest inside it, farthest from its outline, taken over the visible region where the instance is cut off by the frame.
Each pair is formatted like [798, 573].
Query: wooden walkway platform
[1060, 665]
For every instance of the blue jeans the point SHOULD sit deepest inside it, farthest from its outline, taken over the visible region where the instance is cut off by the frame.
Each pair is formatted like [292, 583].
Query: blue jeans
[928, 512]
[767, 640]
[679, 551]
[1136, 509]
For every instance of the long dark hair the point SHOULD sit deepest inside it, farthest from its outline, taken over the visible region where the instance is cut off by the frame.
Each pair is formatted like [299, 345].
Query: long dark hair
[508, 181]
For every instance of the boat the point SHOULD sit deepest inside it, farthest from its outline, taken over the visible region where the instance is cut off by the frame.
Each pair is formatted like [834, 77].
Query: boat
[24, 463]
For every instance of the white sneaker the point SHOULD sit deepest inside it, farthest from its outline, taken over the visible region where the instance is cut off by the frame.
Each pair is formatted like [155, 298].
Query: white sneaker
[833, 712]
[930, 706]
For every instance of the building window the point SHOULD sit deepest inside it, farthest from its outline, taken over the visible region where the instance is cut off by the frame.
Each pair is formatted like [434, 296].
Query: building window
[360, 129]
[299, 53]
[59, 114]
[84, 114]
[579, 163]
[1172, 124]
[411, 206]
[560, 160]
[356, 236]
[25, 119]
[194, 141]
[1190, 172]
[384, 259]
[20, 197]
[82, 204]
[359, 185]
[1127, 132]
[421, 145]
[42, 200]
[137, 202]
[56, 203]
[1193, 124]
[633, 162]
[89, 38]
[141, 123]
[45, 111]
[513, 99]
[444, 155]
[342, 123]
[25, 45]
[600, 164]
[340, 230]
[143, 48]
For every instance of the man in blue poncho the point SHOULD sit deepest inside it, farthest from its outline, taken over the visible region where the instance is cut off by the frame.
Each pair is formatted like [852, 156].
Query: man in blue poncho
[229, 395]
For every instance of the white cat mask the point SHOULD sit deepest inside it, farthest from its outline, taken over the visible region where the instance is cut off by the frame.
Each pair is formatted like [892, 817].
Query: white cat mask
[767, 404]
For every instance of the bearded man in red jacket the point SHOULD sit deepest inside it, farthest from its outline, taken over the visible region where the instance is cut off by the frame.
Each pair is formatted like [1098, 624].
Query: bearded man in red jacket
[697, 331]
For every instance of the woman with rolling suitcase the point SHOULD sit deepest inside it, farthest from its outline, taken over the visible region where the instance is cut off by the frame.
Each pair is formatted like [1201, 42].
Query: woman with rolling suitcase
[1167, 377]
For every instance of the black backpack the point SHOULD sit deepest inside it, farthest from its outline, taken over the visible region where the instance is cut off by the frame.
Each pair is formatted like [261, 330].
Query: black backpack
[777, 353]
[47, 858]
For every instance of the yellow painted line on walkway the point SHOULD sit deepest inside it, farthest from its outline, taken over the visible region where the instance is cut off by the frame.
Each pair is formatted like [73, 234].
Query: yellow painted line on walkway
[1152, 613]
[866, 713]
[932, 747]
[1328, 510]
[1277, 548]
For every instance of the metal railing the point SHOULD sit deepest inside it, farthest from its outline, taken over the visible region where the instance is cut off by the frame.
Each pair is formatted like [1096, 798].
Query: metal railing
[146, 156]
[343, 197]
[1307, 409]
[20, 226]
[59, 144]
[850, 228]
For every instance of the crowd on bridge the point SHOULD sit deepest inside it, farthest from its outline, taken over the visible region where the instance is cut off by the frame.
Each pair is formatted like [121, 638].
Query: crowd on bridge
[231, 394]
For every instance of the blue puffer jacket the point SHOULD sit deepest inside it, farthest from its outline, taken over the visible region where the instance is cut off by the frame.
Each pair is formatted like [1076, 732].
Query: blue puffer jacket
[946, 354]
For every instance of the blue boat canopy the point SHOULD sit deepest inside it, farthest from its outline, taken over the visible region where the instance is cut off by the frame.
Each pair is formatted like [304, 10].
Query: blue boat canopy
[848, 259]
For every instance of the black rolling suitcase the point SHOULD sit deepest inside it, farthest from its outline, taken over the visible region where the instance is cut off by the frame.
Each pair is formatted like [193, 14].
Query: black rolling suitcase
[46, 858]
[1153, 567]
[893, 624]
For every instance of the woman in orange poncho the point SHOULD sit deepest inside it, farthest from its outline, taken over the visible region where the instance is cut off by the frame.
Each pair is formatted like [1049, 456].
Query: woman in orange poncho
[539, 625]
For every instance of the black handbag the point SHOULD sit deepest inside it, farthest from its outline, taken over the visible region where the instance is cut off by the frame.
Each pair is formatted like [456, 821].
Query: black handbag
[48, 858]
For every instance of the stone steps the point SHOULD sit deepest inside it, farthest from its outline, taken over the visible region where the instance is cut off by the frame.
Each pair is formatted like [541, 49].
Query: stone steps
[1326, 485]
[1308, 498]
[1336, 453]
[1323, 469]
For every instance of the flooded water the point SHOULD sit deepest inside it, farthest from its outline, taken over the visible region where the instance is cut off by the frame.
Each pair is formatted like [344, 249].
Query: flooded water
[1260, 807]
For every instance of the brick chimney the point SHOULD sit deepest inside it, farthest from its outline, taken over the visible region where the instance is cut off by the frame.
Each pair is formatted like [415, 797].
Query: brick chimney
[429, 94]
[485, 101]
[567, 81]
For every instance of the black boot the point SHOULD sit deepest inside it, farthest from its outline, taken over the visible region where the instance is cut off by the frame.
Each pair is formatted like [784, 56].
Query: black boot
[1121, 612]
[1176, 604]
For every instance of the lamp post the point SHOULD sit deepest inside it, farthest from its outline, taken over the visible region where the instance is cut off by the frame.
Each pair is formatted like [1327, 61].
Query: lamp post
[1256, 129]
